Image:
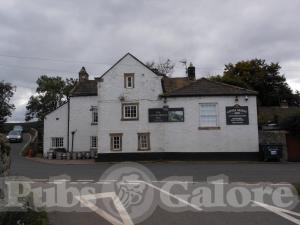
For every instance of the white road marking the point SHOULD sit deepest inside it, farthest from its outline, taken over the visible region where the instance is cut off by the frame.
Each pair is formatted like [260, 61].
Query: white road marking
[171, 195]
[40, 180]
[126, 220]
[168, 181]
[103, 182]
[84, 180]
[281, 212]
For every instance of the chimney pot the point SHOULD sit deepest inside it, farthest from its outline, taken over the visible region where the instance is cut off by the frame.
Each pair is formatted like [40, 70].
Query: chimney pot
[191, 72]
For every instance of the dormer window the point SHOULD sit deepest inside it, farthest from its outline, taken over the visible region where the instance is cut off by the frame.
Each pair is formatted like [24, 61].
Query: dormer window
[129, 80]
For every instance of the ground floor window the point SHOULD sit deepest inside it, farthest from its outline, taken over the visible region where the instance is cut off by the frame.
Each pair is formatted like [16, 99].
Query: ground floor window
[143, 141]
[57, 142]
[116, 142]
[208, 115]
[93, 142]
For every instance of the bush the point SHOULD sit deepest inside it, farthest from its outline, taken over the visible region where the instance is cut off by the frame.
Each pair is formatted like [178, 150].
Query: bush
[292, 124]
[29, 217]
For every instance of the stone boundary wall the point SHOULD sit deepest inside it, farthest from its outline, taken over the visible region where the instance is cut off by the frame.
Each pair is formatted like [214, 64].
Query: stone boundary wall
[4, 156]
[274, 137]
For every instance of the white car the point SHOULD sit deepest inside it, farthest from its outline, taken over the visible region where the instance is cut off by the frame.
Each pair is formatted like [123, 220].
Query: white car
[15, 136]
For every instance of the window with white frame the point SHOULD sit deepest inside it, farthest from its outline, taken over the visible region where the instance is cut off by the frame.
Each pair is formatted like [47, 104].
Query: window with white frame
[94, 114]
[129, 80]
[57, 142]
[93, 142]
[130, 111]
[208, 115]
[116, 142]
[143, 141]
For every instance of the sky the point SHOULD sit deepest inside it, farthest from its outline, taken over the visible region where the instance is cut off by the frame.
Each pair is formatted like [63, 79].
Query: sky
[58, 37]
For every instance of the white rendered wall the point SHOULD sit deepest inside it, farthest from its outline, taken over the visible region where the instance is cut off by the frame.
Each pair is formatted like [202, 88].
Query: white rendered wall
[187, 137]
[167, 137]
[81, 122]
[146, 91]
[55, 125]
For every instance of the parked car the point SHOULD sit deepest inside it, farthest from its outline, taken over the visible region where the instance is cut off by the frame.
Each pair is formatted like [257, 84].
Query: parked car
[15, 136]
[18, 128]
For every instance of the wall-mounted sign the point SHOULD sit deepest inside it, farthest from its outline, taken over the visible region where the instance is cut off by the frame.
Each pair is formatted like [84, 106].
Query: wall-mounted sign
[157, 115]
[237, 115]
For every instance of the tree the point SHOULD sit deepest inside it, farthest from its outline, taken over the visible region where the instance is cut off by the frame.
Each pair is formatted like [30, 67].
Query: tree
[6, 93]
[292, 124]
[163, 67]
[51, 93]
[264, 78]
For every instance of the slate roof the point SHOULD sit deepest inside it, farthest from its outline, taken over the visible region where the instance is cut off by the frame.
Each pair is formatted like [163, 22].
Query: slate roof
[171, 84]
[201, 87]
[85, 88]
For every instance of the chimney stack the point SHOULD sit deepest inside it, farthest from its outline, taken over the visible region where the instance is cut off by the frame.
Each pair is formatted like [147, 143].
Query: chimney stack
[83, 75]
[191, 72]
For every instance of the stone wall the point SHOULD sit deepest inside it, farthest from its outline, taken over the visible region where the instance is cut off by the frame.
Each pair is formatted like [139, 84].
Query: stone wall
[274, 137]
[4, 156]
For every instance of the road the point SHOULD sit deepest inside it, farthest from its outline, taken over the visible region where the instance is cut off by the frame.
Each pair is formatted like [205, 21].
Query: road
[248, 172]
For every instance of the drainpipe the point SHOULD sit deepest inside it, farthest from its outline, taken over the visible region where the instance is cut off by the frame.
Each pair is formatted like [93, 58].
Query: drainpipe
[73, 133]
[68, 127]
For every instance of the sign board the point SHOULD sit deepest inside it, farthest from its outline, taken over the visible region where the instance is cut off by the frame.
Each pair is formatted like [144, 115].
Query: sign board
[237, 115]
[158, 115]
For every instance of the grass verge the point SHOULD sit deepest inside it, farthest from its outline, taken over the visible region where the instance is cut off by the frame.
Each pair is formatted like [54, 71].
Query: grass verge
[297, 186]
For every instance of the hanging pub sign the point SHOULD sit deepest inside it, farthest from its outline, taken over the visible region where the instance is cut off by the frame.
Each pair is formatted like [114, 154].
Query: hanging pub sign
[237, 115]
[158, 115]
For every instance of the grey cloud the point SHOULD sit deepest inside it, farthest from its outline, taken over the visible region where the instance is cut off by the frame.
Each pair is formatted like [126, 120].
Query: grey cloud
[208, 33]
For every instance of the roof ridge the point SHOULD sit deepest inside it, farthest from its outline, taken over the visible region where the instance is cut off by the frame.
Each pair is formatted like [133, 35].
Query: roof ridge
[223, 88]
[175, 77]
[128, 53]
[230, 85]
[178, 89]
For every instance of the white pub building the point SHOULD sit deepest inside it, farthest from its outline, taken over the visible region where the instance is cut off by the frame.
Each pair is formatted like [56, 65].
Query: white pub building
[132, 112]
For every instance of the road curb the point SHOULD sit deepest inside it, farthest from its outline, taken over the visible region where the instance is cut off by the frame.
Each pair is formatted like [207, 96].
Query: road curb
[62, 162]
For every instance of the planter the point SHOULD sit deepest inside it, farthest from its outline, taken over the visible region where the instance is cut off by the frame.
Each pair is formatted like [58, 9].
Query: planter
[50, 155]
[74, 155]
[87, 155]
[68, 155]
[58, 155]
[64, 156]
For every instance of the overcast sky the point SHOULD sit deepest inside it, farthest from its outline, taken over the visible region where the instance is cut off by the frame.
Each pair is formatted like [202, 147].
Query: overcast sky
[58, 37]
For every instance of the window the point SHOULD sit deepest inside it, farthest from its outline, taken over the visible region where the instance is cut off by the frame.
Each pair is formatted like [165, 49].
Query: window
[208, 115]
[143, 141]
[130, 111]
[129, 80]
[93, 142]
[94, 114]
[116, 142]
[57, 142]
